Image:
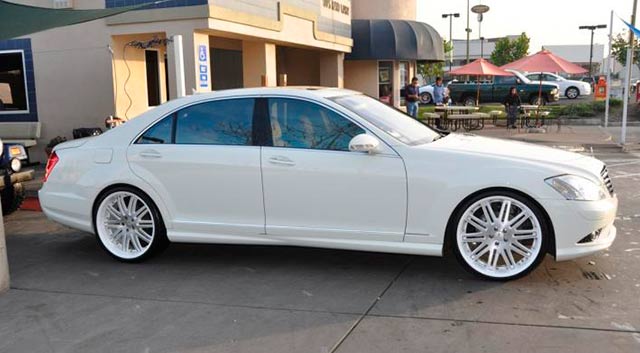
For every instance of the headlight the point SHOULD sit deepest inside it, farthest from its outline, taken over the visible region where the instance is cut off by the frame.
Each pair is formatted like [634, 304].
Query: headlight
[554, 91]
[574, 187]
[15, 165]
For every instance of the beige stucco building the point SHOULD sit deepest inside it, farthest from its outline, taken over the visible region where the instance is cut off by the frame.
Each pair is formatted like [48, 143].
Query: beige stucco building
[77, 76]
[127, 64]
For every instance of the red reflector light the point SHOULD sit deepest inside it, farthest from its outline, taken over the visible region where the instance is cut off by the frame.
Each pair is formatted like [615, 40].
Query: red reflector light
[51, 162]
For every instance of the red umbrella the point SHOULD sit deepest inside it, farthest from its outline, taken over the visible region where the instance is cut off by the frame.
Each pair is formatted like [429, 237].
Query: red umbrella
[544, 60]
[480, 67]
[541, 61]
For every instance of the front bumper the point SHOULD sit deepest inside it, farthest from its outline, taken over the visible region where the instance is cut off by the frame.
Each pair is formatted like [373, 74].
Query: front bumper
[574, 220]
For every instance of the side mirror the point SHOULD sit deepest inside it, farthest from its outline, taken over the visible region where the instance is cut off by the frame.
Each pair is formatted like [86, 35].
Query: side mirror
[364, 143]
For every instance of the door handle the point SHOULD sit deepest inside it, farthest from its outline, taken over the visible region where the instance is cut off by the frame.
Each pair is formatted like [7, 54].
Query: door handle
[150, 154]
[281, 160]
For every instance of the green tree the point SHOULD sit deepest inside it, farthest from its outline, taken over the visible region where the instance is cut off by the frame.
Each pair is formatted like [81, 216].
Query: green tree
[508, 50]
[619, 47]
[430, 70]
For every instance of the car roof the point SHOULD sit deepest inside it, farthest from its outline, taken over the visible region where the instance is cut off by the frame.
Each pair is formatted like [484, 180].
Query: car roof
[298, 91]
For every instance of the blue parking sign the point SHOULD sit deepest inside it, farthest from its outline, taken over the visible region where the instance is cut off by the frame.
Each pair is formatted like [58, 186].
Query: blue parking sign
[202, 50]
[203, 69]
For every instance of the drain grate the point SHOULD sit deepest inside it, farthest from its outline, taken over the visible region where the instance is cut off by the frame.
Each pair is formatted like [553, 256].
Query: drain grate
[596, 276]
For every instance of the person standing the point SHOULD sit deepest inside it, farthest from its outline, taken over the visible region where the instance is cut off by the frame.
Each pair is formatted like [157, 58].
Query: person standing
[412, 93]
[438, 92]
[512, 106]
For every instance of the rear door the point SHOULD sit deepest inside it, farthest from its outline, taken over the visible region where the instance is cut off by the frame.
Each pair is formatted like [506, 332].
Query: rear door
[204, 161]
[314, 187]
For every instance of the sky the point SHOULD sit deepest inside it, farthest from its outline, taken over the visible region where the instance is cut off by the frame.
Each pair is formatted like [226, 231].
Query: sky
[547, 22]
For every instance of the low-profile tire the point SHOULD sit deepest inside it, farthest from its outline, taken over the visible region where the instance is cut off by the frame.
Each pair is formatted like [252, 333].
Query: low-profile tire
[499, 235]
[572, 93]
[425, 98]
[128, 225]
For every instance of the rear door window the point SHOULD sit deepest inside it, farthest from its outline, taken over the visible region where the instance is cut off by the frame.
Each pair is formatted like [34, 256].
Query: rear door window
[222, 122]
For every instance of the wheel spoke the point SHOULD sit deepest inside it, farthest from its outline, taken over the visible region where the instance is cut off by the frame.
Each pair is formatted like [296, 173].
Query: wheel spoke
[144, 223]
[474, 237]
[509, 261]
[488, 212]
[141, 212]
[518, 220]
[121, 205]
[477, 223]
[133, 202]
[519, 248]
[144, 236]
[505, 208]
[135, 241]
[525, 235]
[113, 212]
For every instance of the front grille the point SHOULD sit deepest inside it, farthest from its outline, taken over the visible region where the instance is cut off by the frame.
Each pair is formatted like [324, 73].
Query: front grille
[607, 180]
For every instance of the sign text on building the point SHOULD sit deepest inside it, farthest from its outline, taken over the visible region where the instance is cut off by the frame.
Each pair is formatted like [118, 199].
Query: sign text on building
[336, 6]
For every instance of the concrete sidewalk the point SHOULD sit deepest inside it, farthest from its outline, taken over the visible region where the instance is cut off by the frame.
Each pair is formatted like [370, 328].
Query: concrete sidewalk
[590, 136]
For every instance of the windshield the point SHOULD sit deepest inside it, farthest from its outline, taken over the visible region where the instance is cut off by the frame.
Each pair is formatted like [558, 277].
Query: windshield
[394, 122]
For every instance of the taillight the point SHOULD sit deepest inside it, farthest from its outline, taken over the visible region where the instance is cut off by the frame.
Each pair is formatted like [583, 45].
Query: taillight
[51, 162]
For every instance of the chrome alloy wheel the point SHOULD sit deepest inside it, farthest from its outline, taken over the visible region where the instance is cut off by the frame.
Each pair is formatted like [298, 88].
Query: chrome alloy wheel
[125, 225]
[499, 236]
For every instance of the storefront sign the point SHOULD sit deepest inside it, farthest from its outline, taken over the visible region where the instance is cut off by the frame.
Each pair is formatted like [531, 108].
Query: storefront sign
[337, 10]
[204, 67]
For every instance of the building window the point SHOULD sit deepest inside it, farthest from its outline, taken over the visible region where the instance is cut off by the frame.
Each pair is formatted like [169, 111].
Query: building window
[13, 84]
[385, 81]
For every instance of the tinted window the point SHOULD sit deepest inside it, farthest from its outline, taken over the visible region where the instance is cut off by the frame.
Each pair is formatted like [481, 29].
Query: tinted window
[506, 80]
[534, 77]
[158, 133]
[300, 124]
[393, 122]
[224, 122]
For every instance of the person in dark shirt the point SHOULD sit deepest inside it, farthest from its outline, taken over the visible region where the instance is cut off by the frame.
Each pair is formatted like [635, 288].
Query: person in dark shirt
[512, 106]
[412, 92]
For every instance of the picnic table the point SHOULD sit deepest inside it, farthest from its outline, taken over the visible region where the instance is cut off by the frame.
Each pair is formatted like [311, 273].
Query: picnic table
[454, 117]
[530, 112]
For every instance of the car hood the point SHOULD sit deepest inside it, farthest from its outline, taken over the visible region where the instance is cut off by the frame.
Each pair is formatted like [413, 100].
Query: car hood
[568, 162]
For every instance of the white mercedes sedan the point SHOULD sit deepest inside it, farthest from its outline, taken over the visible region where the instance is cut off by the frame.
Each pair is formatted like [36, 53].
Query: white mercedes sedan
[327, 168]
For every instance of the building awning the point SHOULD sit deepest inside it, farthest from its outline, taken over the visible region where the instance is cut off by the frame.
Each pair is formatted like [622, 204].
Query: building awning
[395, 40]
[19, 20]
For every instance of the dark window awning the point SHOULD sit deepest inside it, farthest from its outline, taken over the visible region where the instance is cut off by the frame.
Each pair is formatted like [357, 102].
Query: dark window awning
[19, 20]
[395, 40]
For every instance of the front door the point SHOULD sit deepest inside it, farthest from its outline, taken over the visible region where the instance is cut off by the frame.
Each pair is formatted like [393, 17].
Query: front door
[314, 187]
[205, 165]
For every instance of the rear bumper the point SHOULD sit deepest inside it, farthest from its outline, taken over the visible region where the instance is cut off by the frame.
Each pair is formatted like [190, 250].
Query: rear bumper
[574, 220]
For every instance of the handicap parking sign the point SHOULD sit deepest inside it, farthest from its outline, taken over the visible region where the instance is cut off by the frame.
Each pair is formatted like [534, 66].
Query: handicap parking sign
[202, 50]
[203, 69]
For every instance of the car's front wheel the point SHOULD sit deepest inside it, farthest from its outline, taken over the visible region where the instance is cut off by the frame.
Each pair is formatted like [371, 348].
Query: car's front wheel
[499, 235]
[128, 225]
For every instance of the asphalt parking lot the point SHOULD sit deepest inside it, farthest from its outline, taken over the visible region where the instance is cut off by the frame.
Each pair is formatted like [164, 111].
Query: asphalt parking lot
[67, 295]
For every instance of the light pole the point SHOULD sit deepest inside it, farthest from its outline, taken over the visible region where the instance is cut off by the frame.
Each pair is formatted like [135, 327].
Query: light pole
[480, 10]
[592, 29]
[450, 16]
[468, 30]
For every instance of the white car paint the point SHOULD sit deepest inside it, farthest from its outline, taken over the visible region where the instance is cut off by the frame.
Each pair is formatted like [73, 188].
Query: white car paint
[397, 200]
[584, 88]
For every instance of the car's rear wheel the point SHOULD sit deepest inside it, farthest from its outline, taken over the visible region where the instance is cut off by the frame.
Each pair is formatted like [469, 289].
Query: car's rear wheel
[128, 225]
[499, 235]
[537, 100]
[469, 101]
[425, 98]
[572, 93]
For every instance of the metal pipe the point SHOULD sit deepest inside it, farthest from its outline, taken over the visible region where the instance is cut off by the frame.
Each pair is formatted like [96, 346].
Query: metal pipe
[623, 132]
[4, 263]
[608, 73]
[468, 31]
